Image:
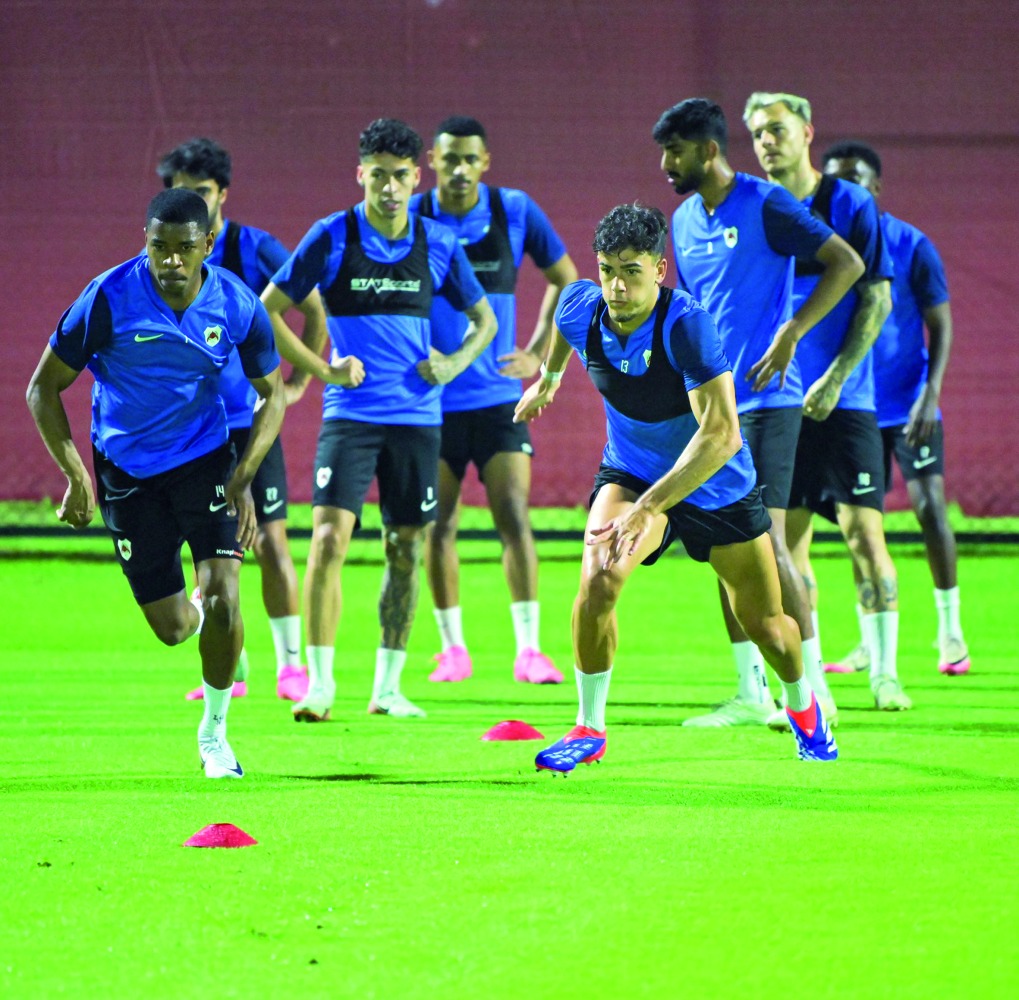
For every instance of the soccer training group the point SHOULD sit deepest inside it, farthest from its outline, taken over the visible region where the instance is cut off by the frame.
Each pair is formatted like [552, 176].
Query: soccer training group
[777, 374]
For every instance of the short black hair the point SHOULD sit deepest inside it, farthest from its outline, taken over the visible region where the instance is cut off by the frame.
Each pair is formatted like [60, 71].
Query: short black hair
[387, 135]
[198, 157]
[632, 227]
[853, 149]
[462, 126]
[179, 207]
[695, 120]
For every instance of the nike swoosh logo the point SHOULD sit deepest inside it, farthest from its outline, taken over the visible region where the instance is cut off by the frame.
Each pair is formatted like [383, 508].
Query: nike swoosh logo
[427, 505]
[858, 491]
[922, 463]
[688, 250]
[268, 508]
[139, 339]
[216, 506]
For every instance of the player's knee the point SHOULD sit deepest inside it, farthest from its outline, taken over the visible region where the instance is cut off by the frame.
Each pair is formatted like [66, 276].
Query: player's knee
[328, 544]
[765, 631]
[403, 550]
[866, 544]
[600, 589]
[930, 512]
[172, 632]
[222, 611]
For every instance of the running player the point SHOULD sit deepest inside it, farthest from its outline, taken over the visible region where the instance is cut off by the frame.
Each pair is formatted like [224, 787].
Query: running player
[907, 383]
[203, 166]
[735, 239]
[839, 459]
[157, 332]
[496, 227]
[675, 466]
[378, 269]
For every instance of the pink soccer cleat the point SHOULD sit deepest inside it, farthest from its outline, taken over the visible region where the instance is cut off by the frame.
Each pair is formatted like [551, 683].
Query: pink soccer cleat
[454, 665]
[292, 684]
[239, 691]
[534, 667]
[954, 659]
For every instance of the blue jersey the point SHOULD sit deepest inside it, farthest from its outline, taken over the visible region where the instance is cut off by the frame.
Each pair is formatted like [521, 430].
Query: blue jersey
[156, 400]
[900, 353]
[737, 262]
[648, 450]
[254, 256]
[528, 231]
[389, 339]
[854, 216]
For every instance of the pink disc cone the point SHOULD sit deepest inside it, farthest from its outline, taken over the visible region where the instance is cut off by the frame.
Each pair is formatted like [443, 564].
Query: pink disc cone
[513, 729]
[220, 835]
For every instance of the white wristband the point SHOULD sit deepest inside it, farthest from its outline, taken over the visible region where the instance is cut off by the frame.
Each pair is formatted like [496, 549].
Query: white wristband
[553, 377]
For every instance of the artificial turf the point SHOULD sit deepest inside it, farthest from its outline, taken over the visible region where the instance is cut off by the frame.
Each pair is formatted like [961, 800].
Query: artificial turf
[410, 859]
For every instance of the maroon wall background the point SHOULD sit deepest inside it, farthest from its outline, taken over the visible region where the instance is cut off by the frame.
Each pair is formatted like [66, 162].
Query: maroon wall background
[93, 93]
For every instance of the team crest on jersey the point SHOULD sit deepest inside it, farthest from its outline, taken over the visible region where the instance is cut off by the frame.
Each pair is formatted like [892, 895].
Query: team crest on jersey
[124, 548]
[322, 477]
[213, 335]
[379, 285]
[647, 358]
[731, 236]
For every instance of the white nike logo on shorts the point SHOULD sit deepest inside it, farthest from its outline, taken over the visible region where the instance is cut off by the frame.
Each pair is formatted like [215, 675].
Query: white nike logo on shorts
[216, 506]
[922, 463]
[268, 508]
[427, 505]
[858, 491]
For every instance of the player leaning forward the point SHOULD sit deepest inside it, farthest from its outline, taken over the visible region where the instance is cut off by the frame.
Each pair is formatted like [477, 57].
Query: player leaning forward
[156, 332]
[675, 466]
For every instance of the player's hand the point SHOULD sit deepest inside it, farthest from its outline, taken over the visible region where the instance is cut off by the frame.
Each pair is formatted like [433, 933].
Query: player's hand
[240, 502]
[519, 364]
[775, 360]
[536, 397]
[622, 535]
[822, 397]
[79, 504]
[438, 368]
[347, 372]
[923, 418]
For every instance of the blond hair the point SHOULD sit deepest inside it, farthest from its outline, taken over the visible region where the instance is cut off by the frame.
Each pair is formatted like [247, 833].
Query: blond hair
[799, 106]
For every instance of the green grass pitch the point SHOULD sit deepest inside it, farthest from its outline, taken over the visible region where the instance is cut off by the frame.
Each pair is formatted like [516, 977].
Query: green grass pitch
[409, 859]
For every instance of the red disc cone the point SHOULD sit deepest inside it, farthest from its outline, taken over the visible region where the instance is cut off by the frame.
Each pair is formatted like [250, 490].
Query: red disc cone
[220, 835]
[513, 729]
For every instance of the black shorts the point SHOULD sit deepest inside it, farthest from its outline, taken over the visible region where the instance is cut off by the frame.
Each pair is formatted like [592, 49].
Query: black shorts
[151, 518]
[699, 530]
[403, 457]
[772, 435]
[478, 435]
[839, 460]
[914, 463]
[269, 487]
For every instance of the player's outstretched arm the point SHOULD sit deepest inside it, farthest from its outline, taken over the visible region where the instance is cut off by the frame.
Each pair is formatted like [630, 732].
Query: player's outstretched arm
[843, 267]
[539, 394]
[871, 312]
[923, 417]
[439, 368]
[523, 363]
[50, 379]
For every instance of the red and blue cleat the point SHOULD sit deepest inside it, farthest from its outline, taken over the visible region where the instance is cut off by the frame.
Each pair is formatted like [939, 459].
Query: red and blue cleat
[814, 740]
[581, 745]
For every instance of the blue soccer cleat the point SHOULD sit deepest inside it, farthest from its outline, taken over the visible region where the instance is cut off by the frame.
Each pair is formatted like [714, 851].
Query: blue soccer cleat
[581, 745]
[814, 740]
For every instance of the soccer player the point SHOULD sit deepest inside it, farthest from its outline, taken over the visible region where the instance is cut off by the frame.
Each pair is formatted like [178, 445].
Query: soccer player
[157, 332]
[675, 466]
[203, 166]
[496, 227]
[735, 239]
[907, 382]
[378, 269]
[839, 468]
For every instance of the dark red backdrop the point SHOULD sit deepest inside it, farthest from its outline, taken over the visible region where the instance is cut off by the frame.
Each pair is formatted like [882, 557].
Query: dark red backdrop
[568, 90]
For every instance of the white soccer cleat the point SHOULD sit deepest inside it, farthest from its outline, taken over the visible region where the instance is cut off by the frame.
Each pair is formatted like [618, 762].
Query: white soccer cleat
[396, 705]
[855, 661]
[316, 704]
[889, 696]
[734, 712]
[217, 758]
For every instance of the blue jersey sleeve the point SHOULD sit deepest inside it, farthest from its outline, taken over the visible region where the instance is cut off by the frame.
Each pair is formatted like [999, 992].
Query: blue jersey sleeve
[927, 278]
[574, 312]
[867, 239]
[790, 229]
[84, 329]
[270, 256]
[306, 266]
[258, 348]
[461, 289]
[695, 349]
[541, 242]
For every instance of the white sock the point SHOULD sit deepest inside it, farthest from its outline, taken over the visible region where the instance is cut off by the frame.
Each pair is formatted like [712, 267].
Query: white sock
[881, 633]
[947, 603]
[451, 630]
[286, 638]
[751, 679]
[859, 618]
[593, 691]
[526, 617]
[797, 695]
[388, 667]
[320, 667]
[813, 668]
[216, 703]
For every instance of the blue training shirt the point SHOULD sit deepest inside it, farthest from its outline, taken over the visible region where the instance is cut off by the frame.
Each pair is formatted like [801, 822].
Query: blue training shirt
[156, 400]
[737, 262]
[529, 232]
[260, 255]
[900, 353]
[389, 345]
[854, 216]
[649, 450]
